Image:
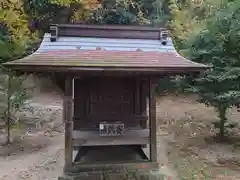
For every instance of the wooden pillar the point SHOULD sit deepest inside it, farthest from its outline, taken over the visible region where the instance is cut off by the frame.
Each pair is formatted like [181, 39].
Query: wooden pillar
[152, 119]
[68, 119]
[143, 101]
[137, 96]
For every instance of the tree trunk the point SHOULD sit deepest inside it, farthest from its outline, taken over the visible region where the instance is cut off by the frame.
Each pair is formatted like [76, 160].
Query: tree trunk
[8, 111]
[222, 116]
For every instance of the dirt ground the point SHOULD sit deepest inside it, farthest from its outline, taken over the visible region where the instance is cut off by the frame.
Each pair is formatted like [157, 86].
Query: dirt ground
[192, 149]
[186, 146]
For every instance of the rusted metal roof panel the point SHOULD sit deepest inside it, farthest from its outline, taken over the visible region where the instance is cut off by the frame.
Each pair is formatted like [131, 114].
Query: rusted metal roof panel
[101, 58]
[106, 58]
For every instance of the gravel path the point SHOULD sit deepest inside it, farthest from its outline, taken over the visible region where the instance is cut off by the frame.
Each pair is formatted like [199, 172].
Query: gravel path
[45, 164]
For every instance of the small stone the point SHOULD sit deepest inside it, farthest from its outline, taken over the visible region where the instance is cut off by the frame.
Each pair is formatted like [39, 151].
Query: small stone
[187, 125]
[202, 125]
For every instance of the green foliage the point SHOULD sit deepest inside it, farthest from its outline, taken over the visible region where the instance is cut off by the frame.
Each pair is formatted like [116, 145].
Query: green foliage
[175, 85]
[131, 12]
[42, 13]
[23, 22]
[13, 95]
[220, 88]
[156, 11]
[123, 12]
[17, 92]
[219, 45]
[16, 37]
[209, 33]
[189, 18]
[184, 23]
[206, 31]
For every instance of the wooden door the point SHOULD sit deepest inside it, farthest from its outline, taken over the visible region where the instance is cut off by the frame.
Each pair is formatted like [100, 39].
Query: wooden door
[111, 98]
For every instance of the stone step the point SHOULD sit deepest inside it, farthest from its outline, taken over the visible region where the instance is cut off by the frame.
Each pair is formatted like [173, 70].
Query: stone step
[114, 176]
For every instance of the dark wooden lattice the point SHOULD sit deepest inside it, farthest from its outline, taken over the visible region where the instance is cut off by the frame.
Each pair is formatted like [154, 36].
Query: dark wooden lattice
[108, 99]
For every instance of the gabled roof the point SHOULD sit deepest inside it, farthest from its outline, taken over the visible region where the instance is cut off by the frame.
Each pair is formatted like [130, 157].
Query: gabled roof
[110, 48]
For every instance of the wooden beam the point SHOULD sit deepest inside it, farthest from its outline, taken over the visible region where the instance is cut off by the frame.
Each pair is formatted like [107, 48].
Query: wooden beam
[106, 31]
[91, 138]
[68, 119]
[152, 119]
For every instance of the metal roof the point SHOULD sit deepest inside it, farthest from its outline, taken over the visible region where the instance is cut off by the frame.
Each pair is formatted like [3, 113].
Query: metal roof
[115, 44]
[94, 52]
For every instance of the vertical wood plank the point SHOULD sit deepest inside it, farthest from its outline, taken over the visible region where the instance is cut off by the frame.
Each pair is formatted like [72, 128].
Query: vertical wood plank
[68, 118]
[137, 97]
[143, 101]
[87, 98]
[152, 119]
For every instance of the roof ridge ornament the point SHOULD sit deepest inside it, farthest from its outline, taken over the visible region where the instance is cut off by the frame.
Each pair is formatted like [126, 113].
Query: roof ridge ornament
[99, 48]
[54, 33]
[164, 37]
[78, 47]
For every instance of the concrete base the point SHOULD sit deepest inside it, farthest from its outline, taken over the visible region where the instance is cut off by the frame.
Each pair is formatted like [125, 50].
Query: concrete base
[123, 175]
[112, 163]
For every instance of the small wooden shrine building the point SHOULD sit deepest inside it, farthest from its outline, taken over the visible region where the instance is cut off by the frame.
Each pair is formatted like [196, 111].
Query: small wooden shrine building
[108, 74]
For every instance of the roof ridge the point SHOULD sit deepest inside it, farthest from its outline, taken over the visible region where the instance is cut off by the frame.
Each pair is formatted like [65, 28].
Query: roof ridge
[107, 31]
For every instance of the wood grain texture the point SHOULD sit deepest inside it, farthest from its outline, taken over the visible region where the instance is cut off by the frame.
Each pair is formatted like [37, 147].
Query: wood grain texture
[152, 119]
[130, 137]
[107, 99]
[68, 118]
[109, 31]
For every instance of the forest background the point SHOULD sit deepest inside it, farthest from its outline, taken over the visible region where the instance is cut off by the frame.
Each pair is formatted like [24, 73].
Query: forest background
[205, 31]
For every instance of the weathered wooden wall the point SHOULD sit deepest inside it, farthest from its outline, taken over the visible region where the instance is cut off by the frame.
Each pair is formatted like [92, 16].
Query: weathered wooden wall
[109, 99]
